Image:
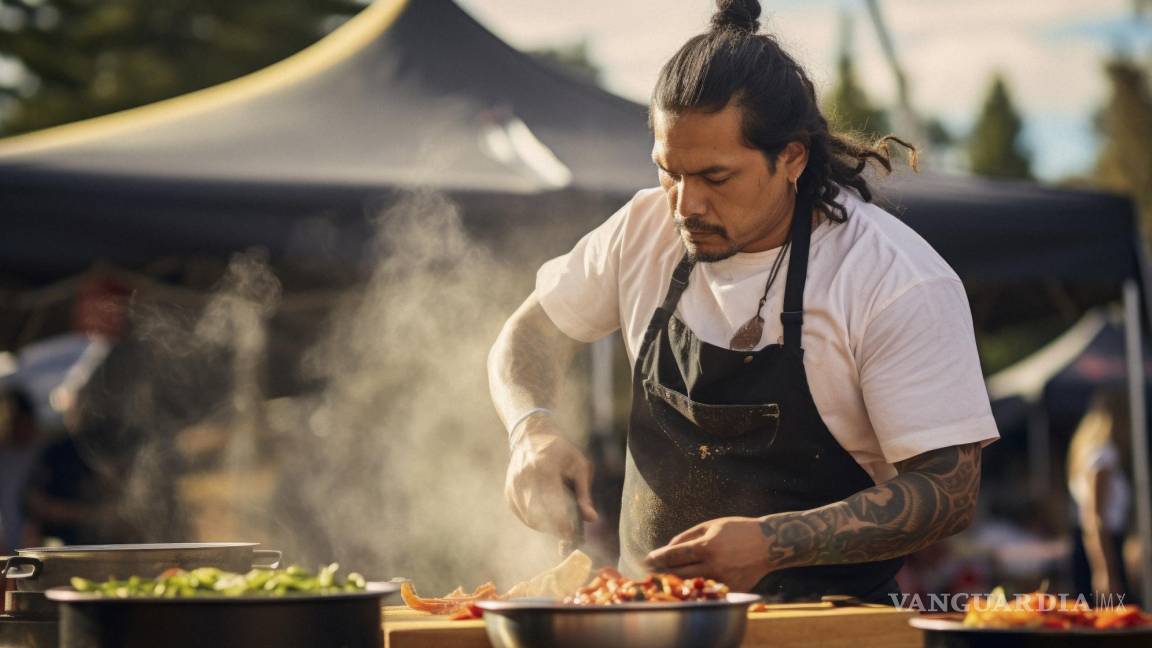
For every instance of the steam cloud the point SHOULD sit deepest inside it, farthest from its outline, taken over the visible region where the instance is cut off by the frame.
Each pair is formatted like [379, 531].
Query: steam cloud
[395, 467]
[411, 473]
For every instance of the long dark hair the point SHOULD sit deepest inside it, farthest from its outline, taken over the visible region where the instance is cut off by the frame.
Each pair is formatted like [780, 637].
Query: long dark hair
[733, 62]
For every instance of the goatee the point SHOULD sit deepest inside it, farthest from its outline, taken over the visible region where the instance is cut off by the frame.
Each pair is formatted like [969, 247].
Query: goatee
[710, 256]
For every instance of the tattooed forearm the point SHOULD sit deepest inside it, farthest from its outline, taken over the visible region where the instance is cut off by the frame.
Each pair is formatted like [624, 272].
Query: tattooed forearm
[933, 497]
[527, 362]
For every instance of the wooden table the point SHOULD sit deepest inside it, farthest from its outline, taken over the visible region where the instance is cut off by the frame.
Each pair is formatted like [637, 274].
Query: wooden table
[850, 627]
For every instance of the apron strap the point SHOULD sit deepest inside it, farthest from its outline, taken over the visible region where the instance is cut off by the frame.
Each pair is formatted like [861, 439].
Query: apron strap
[792, 316]
[676, 288]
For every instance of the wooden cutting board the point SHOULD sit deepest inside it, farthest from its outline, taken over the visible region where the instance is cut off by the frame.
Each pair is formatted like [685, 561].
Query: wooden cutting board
[852, 627]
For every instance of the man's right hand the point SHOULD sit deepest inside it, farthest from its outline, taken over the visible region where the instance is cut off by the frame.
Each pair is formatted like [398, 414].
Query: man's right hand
[543, 474]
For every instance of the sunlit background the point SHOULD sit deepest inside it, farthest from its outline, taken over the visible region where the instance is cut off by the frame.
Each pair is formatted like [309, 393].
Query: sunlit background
[1050, 55]
[262, 311]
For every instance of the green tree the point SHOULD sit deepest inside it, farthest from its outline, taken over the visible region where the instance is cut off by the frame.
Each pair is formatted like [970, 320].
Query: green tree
[994, 146]
[937, 133]
[848, 108]
[1124, 162]
[573, 58]
[82, 58]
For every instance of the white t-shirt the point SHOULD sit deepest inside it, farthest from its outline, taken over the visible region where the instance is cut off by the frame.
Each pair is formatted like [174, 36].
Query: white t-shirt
[1104, 457]
[888, 342]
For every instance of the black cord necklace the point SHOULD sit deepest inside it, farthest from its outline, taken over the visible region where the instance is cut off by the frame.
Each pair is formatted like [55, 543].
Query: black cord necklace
[748, 336]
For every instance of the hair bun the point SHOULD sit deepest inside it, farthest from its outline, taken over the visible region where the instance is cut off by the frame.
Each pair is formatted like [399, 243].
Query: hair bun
[736, 15]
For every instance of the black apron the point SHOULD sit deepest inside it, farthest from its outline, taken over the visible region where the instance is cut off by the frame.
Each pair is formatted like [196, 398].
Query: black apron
[715, 433]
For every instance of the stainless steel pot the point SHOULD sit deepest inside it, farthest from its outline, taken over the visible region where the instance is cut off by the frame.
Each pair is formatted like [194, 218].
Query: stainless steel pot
[39, 568]
[28, 619]
[543, 623]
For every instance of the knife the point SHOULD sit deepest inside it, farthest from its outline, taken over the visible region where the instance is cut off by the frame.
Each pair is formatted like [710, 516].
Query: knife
[570, 544]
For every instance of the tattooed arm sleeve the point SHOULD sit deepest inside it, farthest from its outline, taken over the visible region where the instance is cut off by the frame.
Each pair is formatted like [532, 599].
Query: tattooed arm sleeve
[527, 362]
[933, 497]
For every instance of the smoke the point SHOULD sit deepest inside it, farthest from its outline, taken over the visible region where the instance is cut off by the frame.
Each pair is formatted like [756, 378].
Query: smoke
[394, 462]
[394, 466]
[408, 480]
[185, 360]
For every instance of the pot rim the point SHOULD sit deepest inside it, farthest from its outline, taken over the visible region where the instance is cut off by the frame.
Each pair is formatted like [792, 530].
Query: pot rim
[69, 595]
[734, 599]
[66, 551]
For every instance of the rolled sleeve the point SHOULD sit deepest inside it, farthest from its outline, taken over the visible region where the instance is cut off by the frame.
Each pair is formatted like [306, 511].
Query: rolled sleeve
[920, 373]
[580, 290]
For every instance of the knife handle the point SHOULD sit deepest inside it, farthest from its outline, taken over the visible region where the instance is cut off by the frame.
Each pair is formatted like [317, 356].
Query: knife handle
[568, 545]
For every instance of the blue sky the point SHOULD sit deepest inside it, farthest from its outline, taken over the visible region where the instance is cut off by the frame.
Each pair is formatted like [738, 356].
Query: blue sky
[1051, 52]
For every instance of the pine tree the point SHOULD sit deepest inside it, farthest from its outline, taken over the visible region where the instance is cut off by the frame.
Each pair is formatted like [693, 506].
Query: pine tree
[83, 58]
[847, 107]
[1125, 159]
[994, 146]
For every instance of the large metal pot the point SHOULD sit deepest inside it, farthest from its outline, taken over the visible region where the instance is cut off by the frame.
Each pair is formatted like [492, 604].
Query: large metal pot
[39, 568]
[946, 631]
[345, 620]
[542, 623]
[24, 621]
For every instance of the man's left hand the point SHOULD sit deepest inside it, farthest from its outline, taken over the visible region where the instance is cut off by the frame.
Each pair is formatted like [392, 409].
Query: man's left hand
[732, 550]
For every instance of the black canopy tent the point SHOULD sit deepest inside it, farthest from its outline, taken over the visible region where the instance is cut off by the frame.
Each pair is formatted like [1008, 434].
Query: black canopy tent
[1024, 251]
[418, 95]
[404, 95]
[997, 231]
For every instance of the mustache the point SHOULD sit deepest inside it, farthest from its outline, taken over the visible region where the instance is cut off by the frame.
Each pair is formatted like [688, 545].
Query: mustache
[697, 224]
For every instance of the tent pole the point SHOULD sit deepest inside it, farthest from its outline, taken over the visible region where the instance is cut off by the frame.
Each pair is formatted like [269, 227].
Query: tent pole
[1138, 415]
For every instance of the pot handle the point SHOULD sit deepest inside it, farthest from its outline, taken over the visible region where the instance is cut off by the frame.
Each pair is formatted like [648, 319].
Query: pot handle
[8, 563]
[265, 558]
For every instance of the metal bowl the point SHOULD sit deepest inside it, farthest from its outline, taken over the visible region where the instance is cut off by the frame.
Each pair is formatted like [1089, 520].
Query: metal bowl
[544, 623]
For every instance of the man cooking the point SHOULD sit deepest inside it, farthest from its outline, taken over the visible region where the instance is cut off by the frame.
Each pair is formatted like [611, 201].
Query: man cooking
[808, 405]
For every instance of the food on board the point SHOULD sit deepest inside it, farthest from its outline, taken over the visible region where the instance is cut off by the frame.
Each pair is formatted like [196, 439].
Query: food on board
[557, 582]
[452, 603]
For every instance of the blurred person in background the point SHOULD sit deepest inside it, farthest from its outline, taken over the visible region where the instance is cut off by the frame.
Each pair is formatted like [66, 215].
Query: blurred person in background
[18, 449]
[73, 495]
[78, 492]
[75, 488]
[63, 499]
[1101, 494]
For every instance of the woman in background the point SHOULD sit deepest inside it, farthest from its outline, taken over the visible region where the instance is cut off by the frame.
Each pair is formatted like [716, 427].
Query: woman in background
[1101, 494]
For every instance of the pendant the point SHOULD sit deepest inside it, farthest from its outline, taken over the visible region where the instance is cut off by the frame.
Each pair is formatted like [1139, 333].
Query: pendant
[748, 336]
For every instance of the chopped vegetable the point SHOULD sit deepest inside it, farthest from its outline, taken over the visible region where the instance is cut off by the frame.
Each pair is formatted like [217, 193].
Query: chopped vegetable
[209, 581]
